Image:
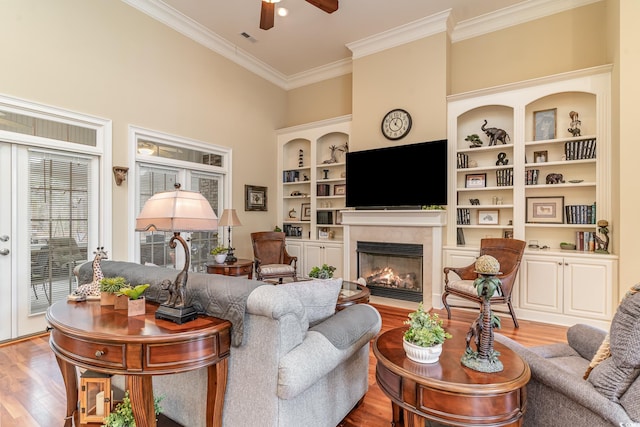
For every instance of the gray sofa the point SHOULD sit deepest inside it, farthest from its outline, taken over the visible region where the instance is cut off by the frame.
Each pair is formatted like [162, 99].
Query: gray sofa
[282, 371]
[558, 395]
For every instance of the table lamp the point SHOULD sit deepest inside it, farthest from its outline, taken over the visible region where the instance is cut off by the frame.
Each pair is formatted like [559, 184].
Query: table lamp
[229, 219]
[177, 211]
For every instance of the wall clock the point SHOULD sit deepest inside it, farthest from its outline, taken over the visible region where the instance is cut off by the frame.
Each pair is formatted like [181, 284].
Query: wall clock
[396, 124]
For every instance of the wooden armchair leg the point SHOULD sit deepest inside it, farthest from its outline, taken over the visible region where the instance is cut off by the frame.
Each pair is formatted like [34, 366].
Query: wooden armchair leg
[446, 306]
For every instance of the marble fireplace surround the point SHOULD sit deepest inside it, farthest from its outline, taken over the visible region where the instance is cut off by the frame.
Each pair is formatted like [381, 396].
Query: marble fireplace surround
[399, 226]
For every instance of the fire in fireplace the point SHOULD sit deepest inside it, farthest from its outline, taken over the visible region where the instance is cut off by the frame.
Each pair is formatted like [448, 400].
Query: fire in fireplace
[392, 270]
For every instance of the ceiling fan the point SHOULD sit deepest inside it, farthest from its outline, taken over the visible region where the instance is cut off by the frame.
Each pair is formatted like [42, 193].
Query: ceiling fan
[267, 13]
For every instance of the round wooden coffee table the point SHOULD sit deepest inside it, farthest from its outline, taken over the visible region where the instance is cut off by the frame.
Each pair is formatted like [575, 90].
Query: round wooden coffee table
[448, 392]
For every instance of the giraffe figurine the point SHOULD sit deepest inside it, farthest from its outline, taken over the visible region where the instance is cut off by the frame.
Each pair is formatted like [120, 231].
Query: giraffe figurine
[93, 289]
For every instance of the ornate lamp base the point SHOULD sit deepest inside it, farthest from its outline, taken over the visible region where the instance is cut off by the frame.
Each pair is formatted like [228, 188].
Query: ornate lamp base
[177, 315]
[471, 360]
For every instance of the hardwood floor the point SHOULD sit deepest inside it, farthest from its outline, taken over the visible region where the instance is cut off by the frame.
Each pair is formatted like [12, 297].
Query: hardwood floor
[32, 392]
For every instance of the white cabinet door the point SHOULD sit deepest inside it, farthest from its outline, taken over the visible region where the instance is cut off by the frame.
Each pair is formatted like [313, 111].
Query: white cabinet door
[588, 287]
[333, 256]
[313, 256]
[541, 279]
[295, 249]
[318, 253]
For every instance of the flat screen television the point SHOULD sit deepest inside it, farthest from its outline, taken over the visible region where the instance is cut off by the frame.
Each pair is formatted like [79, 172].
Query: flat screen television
[402, 177]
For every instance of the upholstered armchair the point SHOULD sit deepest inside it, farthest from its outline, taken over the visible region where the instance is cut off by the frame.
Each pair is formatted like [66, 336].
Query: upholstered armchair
[270, 257]
[509, 253]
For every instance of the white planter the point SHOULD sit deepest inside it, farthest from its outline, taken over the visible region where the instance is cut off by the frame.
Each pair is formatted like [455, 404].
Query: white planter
[220, 258]
[422, 354]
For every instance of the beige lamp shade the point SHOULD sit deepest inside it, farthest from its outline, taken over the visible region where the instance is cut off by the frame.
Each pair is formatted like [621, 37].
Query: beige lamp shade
[229, 218]
[178, 210]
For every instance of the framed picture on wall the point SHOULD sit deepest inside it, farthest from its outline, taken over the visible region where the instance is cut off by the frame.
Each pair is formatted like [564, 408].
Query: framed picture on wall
[476, 180]
[545, 124]
[547, 210]
[488, 217]
[305, 210]
[255, 198]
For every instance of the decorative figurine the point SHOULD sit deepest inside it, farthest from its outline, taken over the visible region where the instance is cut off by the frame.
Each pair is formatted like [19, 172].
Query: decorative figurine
[602, 244]
[574, 126]
[485, 358]
[495, 134]
[300, 158]
[326, 173]
[335, 150]
[502, 159]
[555, 178]
[474, 139]
[474, 202]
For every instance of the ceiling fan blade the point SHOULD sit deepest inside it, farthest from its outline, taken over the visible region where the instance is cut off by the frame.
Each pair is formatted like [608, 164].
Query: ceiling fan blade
[267, 14]
[328, 6]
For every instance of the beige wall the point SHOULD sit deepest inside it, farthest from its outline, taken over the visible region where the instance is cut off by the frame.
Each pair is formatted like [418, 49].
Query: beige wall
[324, 100]
[413, 77]
[629, 70]
[107, 59]
[562, 42]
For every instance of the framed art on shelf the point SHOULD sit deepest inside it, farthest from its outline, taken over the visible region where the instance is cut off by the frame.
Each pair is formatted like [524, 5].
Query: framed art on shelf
[476, 180]
[544, 124]
[540, 156]
[305, 210]
[255, 198]
[545, 210]
[488, 217]
[339, 189]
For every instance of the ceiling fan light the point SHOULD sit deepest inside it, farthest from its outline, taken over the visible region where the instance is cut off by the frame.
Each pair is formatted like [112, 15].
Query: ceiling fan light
[282, 11]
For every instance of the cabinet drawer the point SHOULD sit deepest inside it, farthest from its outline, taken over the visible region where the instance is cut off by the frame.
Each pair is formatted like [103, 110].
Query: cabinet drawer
[94, 353]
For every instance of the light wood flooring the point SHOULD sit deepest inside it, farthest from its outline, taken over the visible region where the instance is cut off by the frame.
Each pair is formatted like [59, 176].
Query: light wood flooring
[32, 392]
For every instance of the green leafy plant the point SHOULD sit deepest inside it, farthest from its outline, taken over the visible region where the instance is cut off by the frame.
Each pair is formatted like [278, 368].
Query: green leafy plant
[122, 415]
[219, 250]
[133, 293]
[277, 229]
[112, 284]
[433, 208]
[474, 139]
[425, 329]
[324, 272]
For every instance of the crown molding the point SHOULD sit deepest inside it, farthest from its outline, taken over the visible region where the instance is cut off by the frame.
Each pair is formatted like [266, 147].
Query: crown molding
[512, 16]
[403, 34]
[425, 27]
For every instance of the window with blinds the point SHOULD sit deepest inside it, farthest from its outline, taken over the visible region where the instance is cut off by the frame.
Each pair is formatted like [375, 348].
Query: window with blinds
[59, 194]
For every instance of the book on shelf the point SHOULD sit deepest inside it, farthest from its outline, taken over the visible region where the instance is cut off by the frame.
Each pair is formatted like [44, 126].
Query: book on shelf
[464, 216]
[323, 190]
[504, 177]
[581, 149]
[585, 241]
[463, 161]
[290, 176]
[580, 214]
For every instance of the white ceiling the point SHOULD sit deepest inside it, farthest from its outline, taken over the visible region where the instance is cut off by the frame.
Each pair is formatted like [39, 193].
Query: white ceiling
[310, 45]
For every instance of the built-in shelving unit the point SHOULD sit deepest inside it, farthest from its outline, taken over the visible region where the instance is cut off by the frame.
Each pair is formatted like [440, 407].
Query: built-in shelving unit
[560, 187]
[312, 191]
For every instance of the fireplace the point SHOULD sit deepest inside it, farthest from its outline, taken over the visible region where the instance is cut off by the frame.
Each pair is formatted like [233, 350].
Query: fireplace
[392, 270]
[419, 227]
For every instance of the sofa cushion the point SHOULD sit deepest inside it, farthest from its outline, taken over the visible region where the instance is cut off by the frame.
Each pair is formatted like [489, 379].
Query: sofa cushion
[342, 333]
[615, 374]
[319, 297]
[604, 351]
[630, 401]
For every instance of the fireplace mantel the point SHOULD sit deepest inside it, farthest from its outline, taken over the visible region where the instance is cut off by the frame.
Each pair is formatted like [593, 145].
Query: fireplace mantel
[399, 226]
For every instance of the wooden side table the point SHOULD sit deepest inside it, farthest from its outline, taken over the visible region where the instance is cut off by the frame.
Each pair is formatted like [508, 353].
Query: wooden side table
[242, 267]
[102, 339]
[446, 391]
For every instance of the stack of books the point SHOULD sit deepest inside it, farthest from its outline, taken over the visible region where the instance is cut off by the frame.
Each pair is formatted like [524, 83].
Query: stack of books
[532, 176]
[464, 216]
[580, 214]
[504, 177]
[463, 161]
[582, 149]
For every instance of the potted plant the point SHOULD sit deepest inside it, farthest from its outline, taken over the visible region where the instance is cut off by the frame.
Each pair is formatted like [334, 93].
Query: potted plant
[108, 288]
[423, 340]
[324, 272]
[122, 415]
[219, 253]
[136, 301]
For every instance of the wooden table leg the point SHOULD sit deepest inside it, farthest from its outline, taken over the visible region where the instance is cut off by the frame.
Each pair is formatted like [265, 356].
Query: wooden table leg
[142, 403]
[216, 387]
[70, 379]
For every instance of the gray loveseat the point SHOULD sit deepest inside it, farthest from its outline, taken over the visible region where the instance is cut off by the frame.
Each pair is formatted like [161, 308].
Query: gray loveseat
[559, 396]
[282, 372]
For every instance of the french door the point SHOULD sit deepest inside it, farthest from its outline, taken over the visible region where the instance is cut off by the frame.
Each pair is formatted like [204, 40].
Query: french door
[48, 222]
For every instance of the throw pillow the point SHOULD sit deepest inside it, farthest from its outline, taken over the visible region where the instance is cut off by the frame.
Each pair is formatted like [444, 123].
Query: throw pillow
[615, 374]
[319, 297]
[604, 351]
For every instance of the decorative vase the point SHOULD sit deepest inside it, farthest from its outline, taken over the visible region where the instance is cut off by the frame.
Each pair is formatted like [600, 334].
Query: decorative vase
[107, 298]
[220, 258]
[136, 307]
[422, 354]
[121, 302]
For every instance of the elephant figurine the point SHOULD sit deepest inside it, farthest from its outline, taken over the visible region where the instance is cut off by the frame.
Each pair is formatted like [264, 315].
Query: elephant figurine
[555, 178]
[495, 134]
